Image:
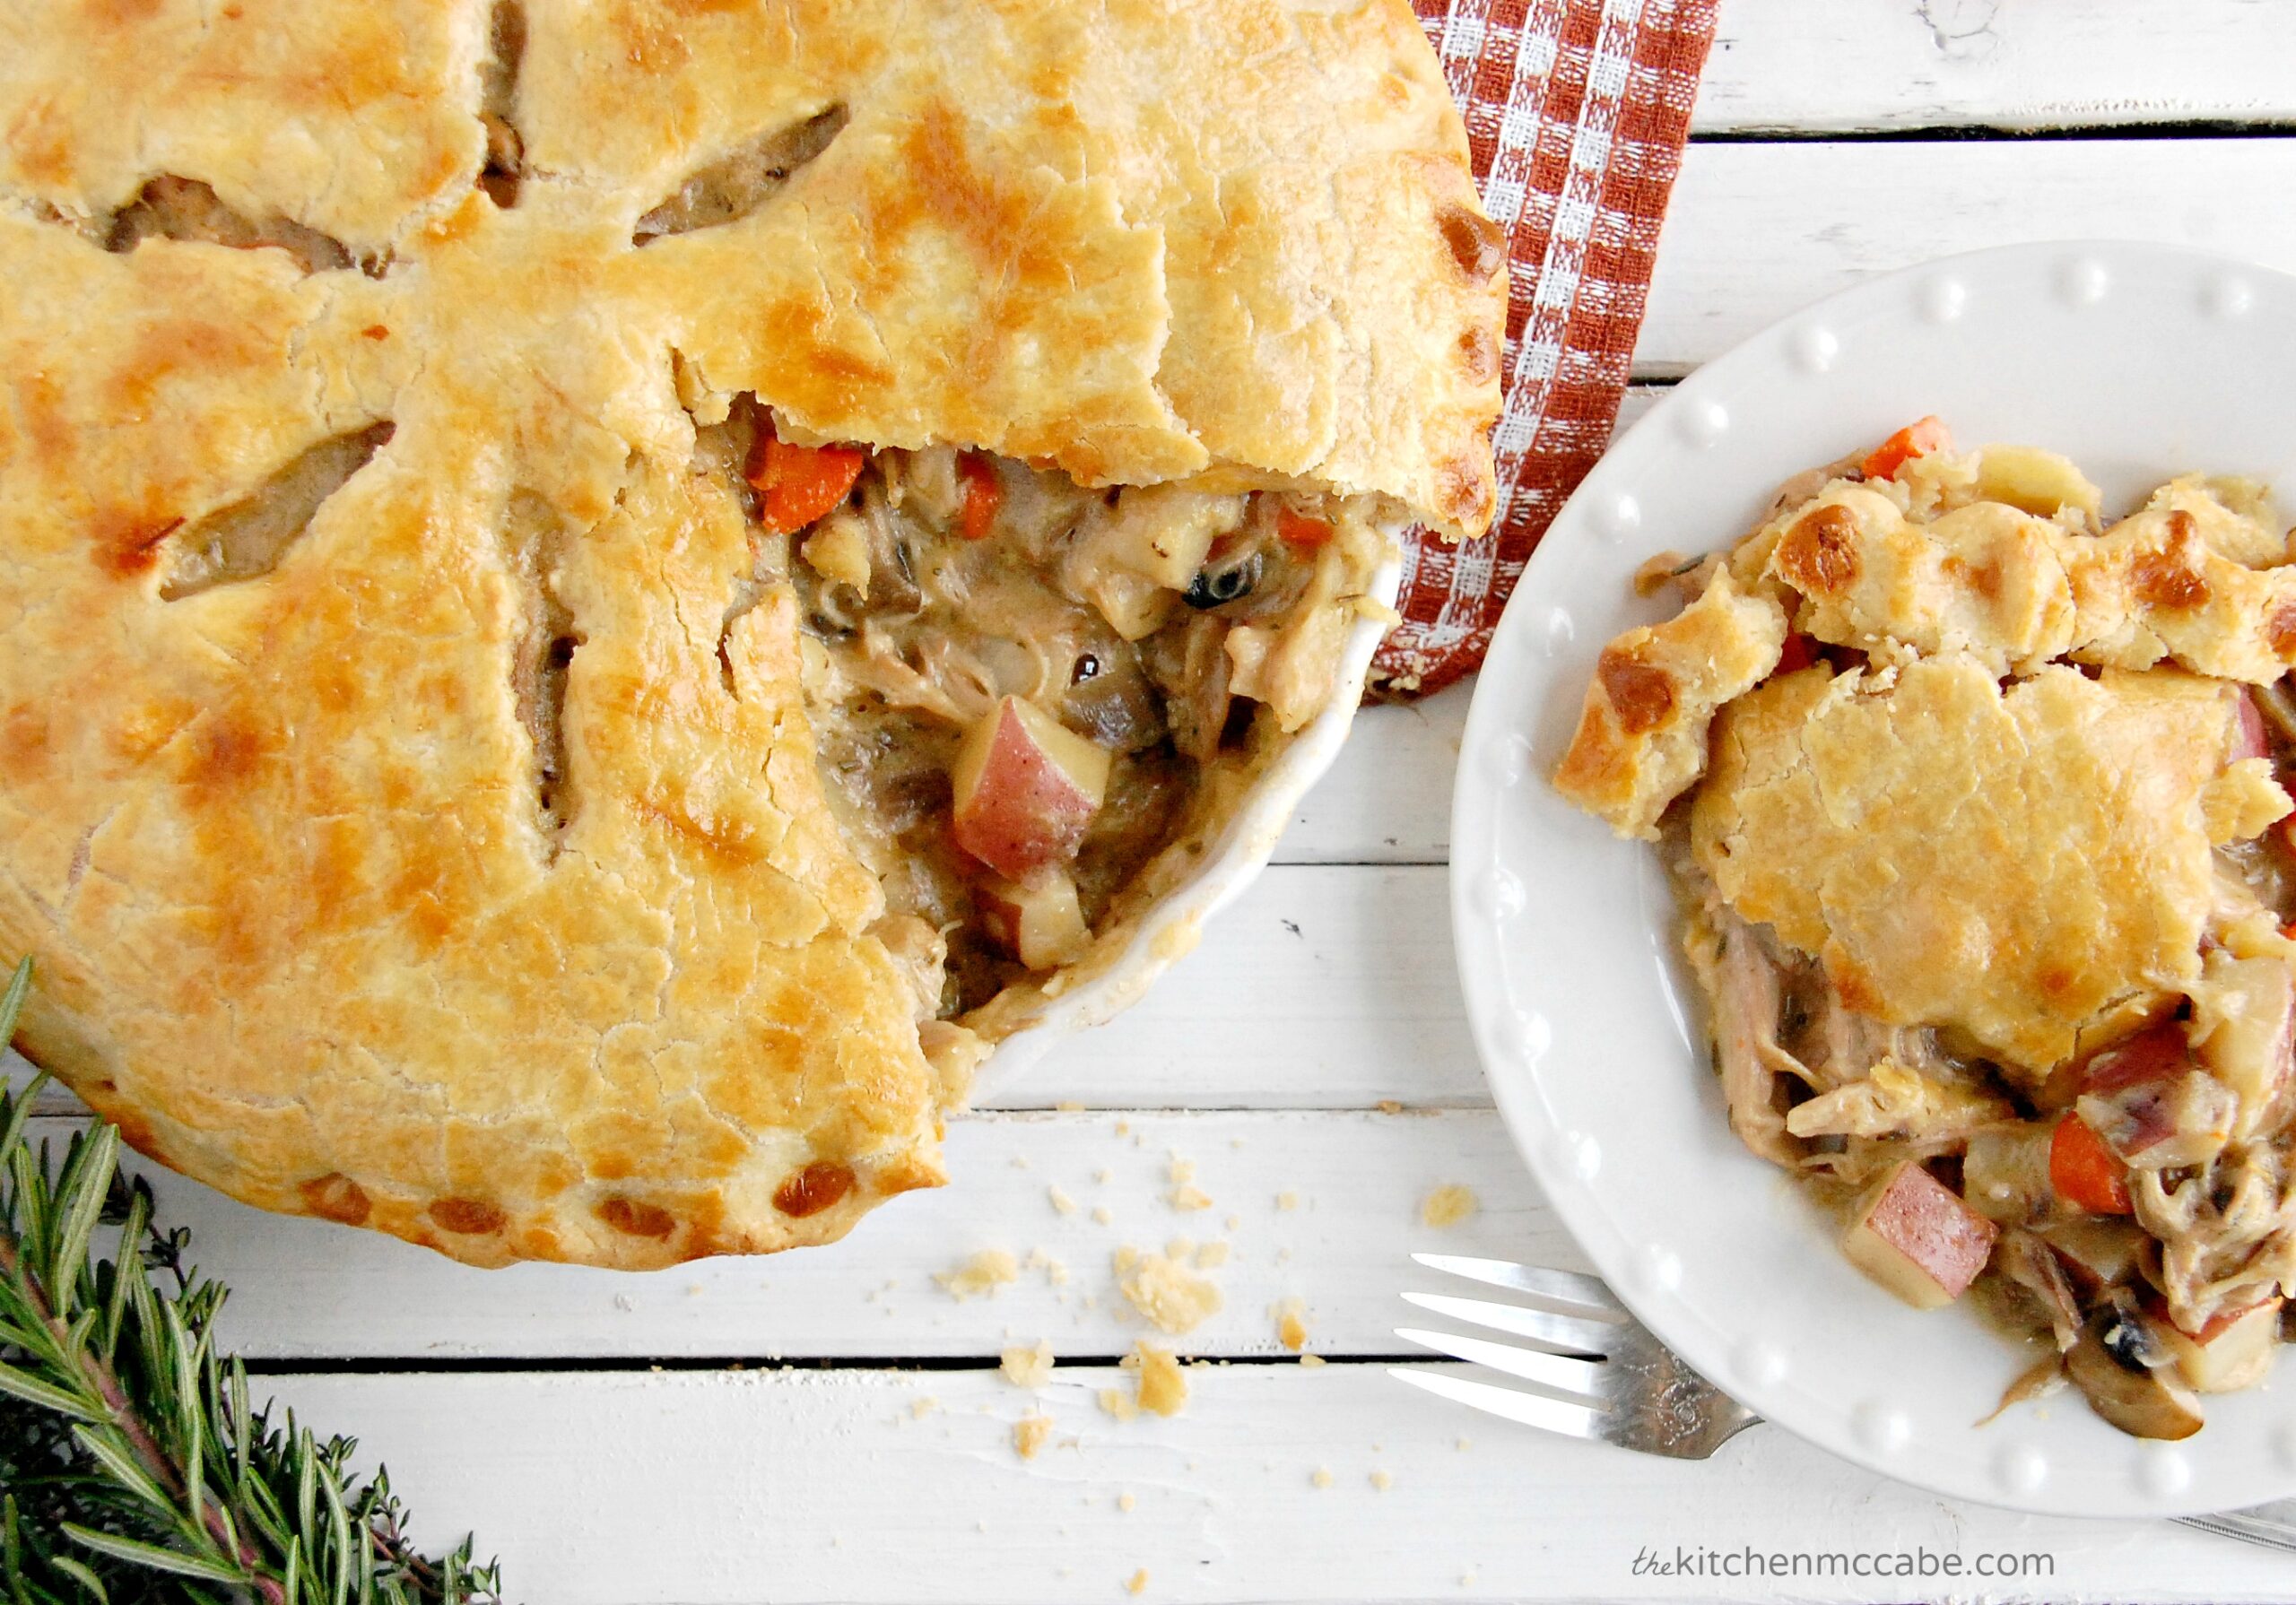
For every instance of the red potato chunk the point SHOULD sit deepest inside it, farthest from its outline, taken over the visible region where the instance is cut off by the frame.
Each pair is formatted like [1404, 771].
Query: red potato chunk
[1915, 1237]
[1026, 789]
[1039, 921]
[2153, 1103]
[2234, 1350]
[2253, 739]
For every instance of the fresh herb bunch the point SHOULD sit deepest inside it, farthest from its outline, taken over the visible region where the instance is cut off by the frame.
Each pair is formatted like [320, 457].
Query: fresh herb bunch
[132, 1465]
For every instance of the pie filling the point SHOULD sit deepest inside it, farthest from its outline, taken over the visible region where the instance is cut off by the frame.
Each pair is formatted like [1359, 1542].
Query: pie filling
[1977, 812]
[1033, 702]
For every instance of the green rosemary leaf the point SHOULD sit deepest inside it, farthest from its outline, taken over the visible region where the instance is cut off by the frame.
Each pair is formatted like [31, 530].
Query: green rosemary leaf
[110, 1447]
[338, 1527]
[117, 1276]
[82, 1576]
[12, 1004]
[32, 1390]
[158, 1558]
[86, 1181]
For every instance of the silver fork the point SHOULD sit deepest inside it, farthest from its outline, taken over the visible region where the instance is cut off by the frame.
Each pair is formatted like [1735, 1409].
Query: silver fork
[1603, 1374]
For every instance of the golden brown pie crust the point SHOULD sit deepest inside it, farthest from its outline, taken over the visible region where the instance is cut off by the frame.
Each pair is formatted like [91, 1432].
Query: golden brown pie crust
[301, 927]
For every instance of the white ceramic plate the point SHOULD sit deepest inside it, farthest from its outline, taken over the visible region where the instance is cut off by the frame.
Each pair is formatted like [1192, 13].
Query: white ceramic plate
[2138, 361]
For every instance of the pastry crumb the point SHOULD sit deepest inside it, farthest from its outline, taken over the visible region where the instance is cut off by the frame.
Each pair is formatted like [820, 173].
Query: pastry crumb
[1060, 1200]
[1464, 1444]
[1320, 1476]
[1311, 1359]
[1287, 1201]
[1103, 1176]
[1020, 1161]
[1448, 1205]
[1102, 1214]
[1179, 1172]
[981, 1275]
[1291, 1324]
[1657, 571]
[1070, 1105]
[1160, 1386]
[922, 1406]
[1169, 1294]
[1028, 1435]
[1389, 1105]
[1138, 1583]
[1126, 1502]
[1189, 1198]
[1118, 1403]
[1210, 1256]
[1382, 1482]
[1028, 1367]
[1235, 1223]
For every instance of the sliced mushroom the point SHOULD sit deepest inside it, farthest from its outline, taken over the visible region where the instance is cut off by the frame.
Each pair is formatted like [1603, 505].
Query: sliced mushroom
[2121, 1368]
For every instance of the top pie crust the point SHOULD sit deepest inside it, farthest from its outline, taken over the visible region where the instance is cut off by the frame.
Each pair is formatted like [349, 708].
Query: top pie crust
[300, 928]
[2009, 862]
[1966, 832]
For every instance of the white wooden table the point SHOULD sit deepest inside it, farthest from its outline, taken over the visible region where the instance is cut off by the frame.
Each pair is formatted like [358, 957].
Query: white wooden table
[832, 1425]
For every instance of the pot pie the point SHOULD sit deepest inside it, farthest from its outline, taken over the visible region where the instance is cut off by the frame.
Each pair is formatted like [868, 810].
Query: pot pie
[600, 597]
[1976, 809]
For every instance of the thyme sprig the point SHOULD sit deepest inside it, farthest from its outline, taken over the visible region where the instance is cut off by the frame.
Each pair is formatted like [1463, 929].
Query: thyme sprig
[133, 1465]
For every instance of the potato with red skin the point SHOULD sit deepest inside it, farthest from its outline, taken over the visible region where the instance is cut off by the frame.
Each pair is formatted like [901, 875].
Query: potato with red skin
[2232, 1350]
[1027, 788]
[2253, 739]
[2156, 1053]
[2152, 1102]
[1917, 1238]
[1039, 921]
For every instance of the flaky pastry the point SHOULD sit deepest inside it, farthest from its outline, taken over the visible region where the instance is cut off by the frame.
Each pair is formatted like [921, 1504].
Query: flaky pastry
[511, 519]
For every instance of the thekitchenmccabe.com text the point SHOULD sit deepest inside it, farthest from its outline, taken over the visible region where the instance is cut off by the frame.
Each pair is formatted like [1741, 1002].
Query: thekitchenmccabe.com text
[1682, 1561]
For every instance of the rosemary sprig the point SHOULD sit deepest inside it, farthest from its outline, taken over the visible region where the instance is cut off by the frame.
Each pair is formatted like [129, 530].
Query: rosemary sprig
[132, 1465]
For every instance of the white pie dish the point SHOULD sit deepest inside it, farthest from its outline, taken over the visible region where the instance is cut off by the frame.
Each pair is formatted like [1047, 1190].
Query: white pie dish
[1171, 929]
[2139, 362]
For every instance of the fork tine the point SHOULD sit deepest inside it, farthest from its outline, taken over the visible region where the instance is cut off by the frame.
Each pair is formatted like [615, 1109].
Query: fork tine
[1567, 1334]
[1582, 1377]
[1532, 1409]
[1564, 1287]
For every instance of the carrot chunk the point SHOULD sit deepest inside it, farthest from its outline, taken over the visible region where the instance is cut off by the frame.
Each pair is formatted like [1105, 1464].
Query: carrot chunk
[1800, 652]
[2084, 1172]
[984, 494]
[798, 484]
[1915, 440]
[1300, 532]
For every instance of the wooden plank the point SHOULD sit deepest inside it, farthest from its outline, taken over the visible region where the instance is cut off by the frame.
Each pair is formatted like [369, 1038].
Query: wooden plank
[1758, 230]
[1841, 65]
[711, 1488]
[1323, 1208]
[1387, 800]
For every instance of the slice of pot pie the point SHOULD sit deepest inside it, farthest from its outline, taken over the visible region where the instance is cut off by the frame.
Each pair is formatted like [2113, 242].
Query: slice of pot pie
[1978, 813]
[599, 597]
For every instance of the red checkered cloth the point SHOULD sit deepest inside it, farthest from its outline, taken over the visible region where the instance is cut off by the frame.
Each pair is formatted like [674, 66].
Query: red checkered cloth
[1576, 111]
